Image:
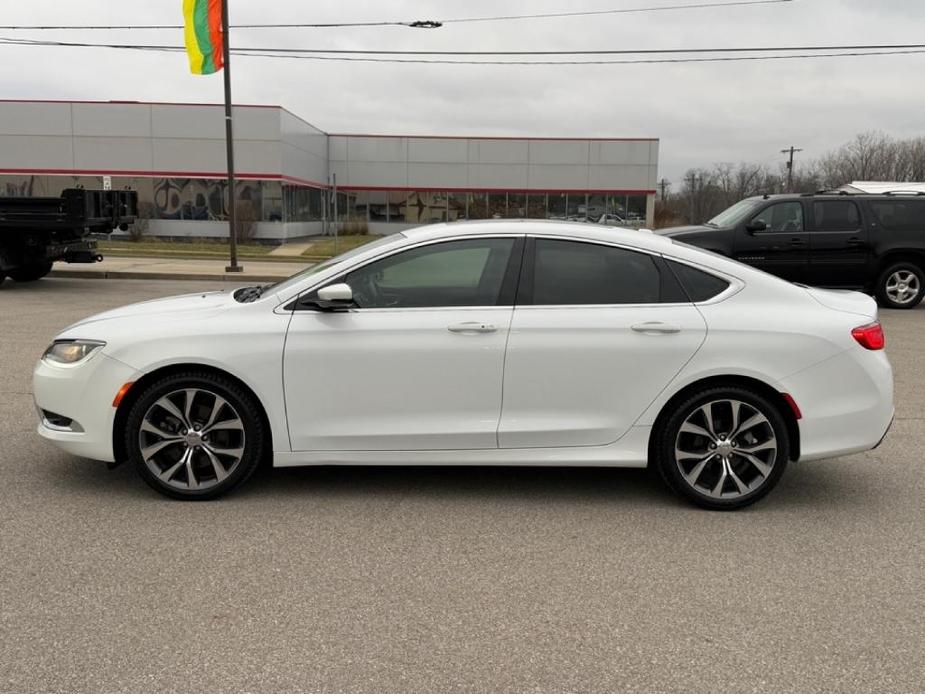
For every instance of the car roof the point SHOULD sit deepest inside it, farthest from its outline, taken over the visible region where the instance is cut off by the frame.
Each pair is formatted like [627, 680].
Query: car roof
[543, 227]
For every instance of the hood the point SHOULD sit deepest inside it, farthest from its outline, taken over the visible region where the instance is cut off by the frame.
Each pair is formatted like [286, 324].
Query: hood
[200, 305]
[684, 231]
[845, 300]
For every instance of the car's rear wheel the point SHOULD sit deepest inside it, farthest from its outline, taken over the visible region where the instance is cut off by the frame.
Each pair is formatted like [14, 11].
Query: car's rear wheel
[195, 436]
[31, 272]
[723, 448]
[901, 285]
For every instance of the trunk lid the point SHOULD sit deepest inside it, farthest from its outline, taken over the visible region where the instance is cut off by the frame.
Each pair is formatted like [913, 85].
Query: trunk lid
[845, 300]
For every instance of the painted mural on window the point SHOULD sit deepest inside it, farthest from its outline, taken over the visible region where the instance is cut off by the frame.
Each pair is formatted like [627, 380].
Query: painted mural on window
[200, 199]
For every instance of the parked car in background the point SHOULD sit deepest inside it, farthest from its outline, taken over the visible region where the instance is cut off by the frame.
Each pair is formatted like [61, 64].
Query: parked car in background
[612, 348]
[612, 220]
[875, 243]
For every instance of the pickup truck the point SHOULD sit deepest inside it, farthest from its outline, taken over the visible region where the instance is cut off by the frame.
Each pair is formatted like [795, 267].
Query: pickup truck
[875, 243]
[37, 231]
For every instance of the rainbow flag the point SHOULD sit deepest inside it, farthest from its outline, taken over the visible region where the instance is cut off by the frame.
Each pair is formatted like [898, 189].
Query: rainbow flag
[203, 32]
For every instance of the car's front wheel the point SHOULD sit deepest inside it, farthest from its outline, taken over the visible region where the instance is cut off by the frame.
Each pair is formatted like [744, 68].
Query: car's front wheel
[723, 448]
[195, 436]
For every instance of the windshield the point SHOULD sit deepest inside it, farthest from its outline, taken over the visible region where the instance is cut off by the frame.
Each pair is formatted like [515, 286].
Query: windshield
[321, 267]
[733, 215]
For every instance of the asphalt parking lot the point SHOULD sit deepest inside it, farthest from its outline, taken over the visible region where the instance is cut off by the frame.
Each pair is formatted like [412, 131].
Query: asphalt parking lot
[450, 579]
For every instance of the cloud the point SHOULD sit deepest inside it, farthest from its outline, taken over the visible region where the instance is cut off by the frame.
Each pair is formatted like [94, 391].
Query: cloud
[703, 113]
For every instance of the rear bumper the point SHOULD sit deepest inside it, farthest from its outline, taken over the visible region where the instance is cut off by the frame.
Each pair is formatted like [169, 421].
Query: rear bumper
[846, 401]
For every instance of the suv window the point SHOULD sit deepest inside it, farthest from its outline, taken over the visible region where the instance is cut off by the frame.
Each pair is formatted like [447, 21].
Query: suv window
[782, 216]
[699, 285]
[572, 272]
[453, 273]
[900, 215]
[836, 215]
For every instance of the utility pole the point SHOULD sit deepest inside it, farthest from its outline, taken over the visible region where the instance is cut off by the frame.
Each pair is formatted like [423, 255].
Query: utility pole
[229, 145]
[664, 184]
[793, 150]
[691, 191]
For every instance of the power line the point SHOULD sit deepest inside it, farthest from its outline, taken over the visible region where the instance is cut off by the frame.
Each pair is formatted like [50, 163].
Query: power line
[281, 54]
[243, 50]
[416, 24]
[647, 61]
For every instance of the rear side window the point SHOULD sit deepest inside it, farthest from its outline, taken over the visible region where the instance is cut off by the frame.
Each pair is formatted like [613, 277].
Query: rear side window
[571, 272]
[699, 285]
[900, 215]
[836, 215]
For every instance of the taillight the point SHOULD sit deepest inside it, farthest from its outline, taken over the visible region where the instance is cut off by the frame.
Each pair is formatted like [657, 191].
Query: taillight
[870, 336]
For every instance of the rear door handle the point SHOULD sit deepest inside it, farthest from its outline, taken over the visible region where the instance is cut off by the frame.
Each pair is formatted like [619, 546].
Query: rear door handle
[796, 242]
[655, 327]
[471, 327]
[854, 241]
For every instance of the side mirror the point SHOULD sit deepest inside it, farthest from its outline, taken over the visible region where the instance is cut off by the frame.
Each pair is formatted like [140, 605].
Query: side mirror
[756, 225]
[332, 297]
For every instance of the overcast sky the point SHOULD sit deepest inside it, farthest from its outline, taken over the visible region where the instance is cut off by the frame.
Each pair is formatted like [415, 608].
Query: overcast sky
[703, 113]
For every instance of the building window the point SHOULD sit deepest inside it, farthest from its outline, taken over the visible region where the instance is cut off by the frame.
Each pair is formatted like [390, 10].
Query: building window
[478, 206]
[378, 206]
[456, 206]
[497, 205]
[636, 210]
[557, 206]
[516, 206]
[272, 196]
[577, 206]
[301, 204]
[536, 206]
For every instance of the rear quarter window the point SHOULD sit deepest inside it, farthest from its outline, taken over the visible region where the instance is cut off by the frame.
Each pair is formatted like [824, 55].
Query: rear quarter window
[699, 285]
[900, 214]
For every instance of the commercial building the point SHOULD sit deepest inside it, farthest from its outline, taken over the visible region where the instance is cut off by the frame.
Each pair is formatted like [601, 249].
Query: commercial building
[174, 155]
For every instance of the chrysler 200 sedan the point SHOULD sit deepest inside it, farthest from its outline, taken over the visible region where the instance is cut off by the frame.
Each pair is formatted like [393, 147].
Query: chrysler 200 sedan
[482, 343]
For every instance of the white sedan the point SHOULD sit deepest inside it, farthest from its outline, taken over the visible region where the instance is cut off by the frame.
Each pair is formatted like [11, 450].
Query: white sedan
[483, 343]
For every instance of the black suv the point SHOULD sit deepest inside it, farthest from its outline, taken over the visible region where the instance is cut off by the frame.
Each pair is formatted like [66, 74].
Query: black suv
[831, 239]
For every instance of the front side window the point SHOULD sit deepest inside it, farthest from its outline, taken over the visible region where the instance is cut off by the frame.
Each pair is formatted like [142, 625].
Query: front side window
[571, 272]
[782, 216]
[836, 215]
[453, 273]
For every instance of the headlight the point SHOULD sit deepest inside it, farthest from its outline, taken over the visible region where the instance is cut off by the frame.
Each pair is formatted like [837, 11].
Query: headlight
[70, 352]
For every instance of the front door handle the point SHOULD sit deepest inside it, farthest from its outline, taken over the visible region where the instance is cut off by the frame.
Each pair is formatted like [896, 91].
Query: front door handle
[796, 242]
[656, 327]
[471, 327]
[854, 241]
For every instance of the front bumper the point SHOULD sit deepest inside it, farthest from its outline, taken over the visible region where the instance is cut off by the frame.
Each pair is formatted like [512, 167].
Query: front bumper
[84, 395]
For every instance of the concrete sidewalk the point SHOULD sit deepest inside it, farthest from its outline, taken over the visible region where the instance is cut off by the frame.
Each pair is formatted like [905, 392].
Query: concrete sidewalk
[177, 269]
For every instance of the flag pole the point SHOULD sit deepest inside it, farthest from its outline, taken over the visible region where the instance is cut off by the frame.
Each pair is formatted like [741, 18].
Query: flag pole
[229, 144]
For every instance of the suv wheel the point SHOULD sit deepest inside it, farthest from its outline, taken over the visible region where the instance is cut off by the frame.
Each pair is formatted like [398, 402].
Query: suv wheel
[195, 435]
[901, 285]
[723, 448]
[31, 272]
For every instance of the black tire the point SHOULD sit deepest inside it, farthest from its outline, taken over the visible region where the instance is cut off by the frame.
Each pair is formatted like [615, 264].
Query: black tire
[886, 290]
[715, 469]
[31, 272]
[251, 437]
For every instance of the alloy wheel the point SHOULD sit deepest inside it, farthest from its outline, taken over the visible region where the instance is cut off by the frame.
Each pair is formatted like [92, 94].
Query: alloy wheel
[902, 286]
[191, 439]
[725, 449]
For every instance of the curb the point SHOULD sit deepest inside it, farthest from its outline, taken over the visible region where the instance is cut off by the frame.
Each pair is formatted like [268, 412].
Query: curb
[135, 275]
